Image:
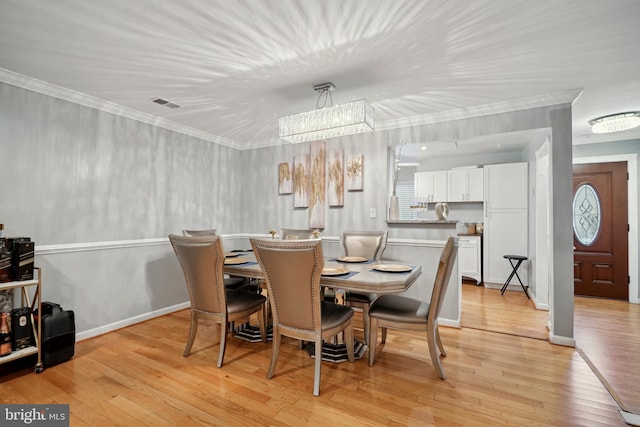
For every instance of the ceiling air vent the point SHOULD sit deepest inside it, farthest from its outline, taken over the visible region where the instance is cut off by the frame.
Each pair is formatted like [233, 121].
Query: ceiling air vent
[164, 102]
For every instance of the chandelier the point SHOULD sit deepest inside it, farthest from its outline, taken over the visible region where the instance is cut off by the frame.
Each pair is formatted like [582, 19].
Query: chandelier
[327, 121]
[615, 122]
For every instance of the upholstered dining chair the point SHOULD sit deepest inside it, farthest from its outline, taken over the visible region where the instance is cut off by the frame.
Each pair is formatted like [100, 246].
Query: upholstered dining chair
[193, 233]
[296, 234]
[370, 245]
[230, 282]
[292, 270]
[398, 312]
[202, 260]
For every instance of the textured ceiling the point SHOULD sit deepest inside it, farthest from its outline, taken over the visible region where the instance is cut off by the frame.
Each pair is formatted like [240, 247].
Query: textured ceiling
[234, 67]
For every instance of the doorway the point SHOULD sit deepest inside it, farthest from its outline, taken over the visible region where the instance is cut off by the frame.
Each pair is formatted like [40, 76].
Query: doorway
[600, 224]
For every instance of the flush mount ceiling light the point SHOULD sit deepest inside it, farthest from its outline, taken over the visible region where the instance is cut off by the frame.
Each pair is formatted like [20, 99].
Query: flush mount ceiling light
[615, 122]
[327, 121]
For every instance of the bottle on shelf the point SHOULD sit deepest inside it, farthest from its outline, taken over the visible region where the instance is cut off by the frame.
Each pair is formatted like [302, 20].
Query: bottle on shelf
[5, 335]
[5, 262]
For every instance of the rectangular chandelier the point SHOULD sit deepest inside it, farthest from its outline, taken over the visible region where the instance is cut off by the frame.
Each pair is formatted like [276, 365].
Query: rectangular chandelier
[329, 122]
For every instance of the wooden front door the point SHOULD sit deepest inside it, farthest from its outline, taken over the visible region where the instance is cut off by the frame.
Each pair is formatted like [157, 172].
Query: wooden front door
[600, 230]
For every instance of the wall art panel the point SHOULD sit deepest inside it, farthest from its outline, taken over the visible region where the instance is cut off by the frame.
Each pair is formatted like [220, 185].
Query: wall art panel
[355, 173]
[301, 181]
[335, 173]
[285, 178]
[317, 177]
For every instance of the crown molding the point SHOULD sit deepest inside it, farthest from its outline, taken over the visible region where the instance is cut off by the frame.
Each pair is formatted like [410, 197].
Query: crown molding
[63, 93]
[563, 97]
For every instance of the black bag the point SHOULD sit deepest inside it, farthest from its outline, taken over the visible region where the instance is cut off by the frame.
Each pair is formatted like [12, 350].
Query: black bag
[58, 334]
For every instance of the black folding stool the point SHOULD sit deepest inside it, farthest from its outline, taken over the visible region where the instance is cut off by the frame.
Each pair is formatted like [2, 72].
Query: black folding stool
[518, 260]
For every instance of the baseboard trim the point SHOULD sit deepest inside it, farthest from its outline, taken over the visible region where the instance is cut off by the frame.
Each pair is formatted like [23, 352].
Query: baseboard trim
[630, 418]
[560, 340]
[130, 321]
[449, 323]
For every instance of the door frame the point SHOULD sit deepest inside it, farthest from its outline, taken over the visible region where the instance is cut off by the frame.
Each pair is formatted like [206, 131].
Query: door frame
[542, 241]
[632, 203]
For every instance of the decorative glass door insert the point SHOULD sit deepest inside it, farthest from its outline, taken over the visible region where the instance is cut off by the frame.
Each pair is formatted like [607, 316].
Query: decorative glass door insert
[586, 214]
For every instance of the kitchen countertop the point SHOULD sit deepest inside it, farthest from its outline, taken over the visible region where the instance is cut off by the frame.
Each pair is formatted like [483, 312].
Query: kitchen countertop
[423, 221]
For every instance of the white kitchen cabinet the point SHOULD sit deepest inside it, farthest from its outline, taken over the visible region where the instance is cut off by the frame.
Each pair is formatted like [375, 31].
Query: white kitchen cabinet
[430, 186]
[470, 257]
[505, 219]
[465, 185]
[506, 186]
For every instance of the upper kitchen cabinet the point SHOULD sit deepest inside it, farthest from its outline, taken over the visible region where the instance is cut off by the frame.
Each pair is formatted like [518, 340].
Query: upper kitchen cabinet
[430, 186]
[506, 186]
[465, 185]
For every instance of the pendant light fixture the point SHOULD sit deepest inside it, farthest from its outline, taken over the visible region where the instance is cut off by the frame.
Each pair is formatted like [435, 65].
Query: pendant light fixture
[327, 121]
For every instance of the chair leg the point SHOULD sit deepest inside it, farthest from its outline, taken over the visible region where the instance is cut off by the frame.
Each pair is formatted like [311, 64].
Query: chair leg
[373, 338]
[275, 349]
[316, 375]
[431, 340]
[384, 336]
[439, 342]
[193, 327]
[223, 342]
[348, 337]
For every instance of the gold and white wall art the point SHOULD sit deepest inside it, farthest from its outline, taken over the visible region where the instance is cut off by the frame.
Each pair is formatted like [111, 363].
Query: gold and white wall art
[335, 175]
[301, 181]
[355, 173]
[285, 178]
[317, 179]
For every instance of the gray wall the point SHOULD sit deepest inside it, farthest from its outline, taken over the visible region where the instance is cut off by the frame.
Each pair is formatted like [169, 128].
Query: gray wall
[74, 174]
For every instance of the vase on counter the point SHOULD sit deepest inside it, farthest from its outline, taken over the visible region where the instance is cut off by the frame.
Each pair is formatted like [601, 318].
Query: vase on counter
[442, 211]
[394, 208]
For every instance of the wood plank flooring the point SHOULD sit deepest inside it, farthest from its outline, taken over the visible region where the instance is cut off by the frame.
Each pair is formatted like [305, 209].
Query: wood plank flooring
[138, 376]
[607, 332]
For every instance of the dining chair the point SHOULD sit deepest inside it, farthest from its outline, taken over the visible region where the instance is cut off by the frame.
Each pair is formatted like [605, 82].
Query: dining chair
[202, 262]
[193, 233]
[398, 312]
[369, 245]
[231, 282]
[292, 271]
[297, 234]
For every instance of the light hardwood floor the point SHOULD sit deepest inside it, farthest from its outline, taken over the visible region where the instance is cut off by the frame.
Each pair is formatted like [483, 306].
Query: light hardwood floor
[607, 332]
[138, 376]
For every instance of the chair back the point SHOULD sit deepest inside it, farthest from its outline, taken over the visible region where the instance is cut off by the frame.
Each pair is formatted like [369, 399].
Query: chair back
[445, 266]
[367, 244]
[292, 270]
[211, 232]
[296, 234]
[202, 262]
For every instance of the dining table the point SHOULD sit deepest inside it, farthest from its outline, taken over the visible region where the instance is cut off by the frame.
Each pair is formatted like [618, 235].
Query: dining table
[341, 274]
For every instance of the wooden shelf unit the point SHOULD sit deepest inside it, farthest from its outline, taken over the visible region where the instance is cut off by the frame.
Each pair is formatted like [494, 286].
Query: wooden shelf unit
[34, 303]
